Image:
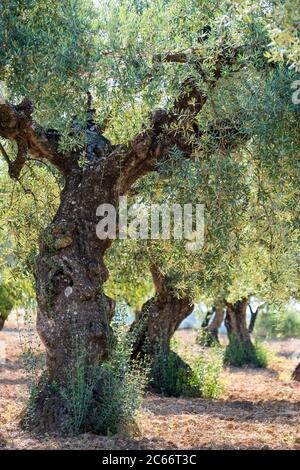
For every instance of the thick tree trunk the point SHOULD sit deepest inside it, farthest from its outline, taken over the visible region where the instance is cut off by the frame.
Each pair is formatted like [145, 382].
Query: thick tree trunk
[211, 330]
[159, 318]
[2, 321]
[238, 333]
[235, 320]
[73, 313]
[296, 373]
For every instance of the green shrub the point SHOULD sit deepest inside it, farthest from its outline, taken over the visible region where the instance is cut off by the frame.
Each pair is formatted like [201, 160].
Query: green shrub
[6, 304]
[119, 381]
[197, 377]
[281, 323]
[123, 382]
[206, 338]
[263, 355]
[238, 354]
[122, 396]
[78, 392]
[169, 375]
[206, 372]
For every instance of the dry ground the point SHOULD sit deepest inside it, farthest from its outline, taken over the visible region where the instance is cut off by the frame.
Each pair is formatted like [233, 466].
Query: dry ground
[260, 409]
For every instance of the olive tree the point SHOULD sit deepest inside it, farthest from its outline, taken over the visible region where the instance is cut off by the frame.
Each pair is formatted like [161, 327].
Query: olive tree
[71, 72]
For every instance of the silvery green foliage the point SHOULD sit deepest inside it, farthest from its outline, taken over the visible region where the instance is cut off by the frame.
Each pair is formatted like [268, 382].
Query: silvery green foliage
[55, 52]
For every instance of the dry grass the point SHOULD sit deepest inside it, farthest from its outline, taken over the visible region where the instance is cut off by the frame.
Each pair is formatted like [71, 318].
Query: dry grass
[260, 409]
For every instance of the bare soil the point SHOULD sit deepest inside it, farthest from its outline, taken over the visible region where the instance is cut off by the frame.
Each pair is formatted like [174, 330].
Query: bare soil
[259, 409]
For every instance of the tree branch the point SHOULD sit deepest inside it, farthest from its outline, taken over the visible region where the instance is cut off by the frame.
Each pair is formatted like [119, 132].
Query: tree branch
[160, 281]
[252, 319]
[179, 57]
[154, 144]
[16, 125]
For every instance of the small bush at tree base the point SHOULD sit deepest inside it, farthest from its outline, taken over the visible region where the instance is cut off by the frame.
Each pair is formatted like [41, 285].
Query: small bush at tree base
[121, 397]
[78, 392]
[206, 372]
[238, 354]
[199, 377]
[169, 376]
[110, 395]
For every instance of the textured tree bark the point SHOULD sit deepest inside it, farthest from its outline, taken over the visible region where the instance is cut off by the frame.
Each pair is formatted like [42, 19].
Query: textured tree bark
[69, 276]
[2, 321]
[235, 321]
[73, 313]
[211, 329]
[236, 325]
[159, 318]
[296, 373]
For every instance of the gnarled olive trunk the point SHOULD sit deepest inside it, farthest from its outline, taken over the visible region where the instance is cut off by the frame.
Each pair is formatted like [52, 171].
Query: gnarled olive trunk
[240, 349]
[236, 321]
[73, 313]
[159, 318]
[157, 322]
[296, 373]
[70, 274]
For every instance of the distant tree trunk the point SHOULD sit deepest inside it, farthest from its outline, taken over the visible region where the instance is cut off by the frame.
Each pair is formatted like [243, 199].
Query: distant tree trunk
[207, 317]
[235, 320]
[238, 333]
[159, 318]
[252, 319]
[2, 321]
[211, 329]
[296, 373]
